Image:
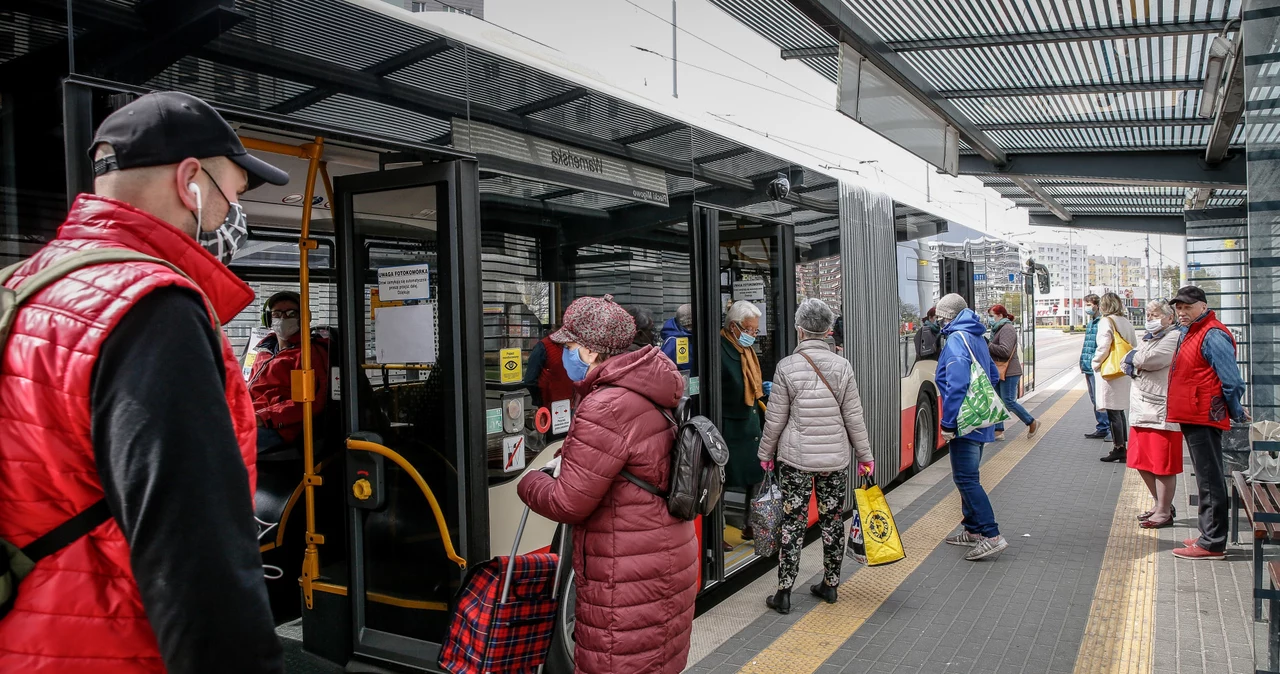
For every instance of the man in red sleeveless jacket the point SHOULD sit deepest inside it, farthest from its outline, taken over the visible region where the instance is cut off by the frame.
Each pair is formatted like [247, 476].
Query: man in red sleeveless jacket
[118, 388]
[1205, 389]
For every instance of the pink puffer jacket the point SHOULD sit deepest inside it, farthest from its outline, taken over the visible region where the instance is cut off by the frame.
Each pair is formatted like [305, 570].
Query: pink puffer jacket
[635, 565]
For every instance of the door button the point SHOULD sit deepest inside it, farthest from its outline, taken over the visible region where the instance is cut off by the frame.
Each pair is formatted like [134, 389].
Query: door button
[361, 489]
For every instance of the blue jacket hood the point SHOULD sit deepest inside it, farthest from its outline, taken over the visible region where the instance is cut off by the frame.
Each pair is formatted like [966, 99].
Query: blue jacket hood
[672, 329]
[968, 322]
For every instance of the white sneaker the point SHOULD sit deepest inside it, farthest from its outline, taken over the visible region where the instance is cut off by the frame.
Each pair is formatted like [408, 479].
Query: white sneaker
[987, 547]
[963, 538]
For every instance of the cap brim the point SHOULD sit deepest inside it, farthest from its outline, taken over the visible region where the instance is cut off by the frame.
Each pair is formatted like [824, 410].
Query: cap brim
[563, 336]
[1183, 299]
[260, 171]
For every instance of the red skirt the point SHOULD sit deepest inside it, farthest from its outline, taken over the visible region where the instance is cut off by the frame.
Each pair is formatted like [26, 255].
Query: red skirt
[1155, 451]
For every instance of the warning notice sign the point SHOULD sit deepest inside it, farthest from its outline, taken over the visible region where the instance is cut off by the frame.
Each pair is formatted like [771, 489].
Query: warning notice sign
[511, 369]
[682, 350]
[512, 453]
[409, 282]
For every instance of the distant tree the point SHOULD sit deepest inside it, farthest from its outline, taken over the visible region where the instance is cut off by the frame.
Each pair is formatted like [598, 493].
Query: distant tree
[1013, 302]
[908, 312]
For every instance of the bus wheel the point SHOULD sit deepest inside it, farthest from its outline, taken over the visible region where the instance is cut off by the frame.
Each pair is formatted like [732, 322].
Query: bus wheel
[926, 432]
[560, 657]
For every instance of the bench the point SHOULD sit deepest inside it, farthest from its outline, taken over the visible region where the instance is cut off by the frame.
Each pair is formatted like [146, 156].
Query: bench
[1261, 504]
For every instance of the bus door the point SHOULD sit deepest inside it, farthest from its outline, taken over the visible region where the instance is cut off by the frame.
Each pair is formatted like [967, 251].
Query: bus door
[412, 401]
[756, 265]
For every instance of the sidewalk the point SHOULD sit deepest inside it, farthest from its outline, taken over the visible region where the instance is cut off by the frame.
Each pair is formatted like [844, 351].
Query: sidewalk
[1080, 589]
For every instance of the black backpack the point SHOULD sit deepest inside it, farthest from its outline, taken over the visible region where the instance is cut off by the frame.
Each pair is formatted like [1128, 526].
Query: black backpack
[927, 345]
[698, 458]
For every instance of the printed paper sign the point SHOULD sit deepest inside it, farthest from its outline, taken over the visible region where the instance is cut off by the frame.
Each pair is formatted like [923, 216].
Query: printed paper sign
[682, 350]
[406, 334]
[694, 387]
[513, 453]
[764, 315]
[335, 383]
[511, 368]
[560, 417]
[493, 421]
[410, 282]
[751, 290]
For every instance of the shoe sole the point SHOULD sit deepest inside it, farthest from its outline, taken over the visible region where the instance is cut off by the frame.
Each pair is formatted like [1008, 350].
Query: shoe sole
[990, 553]
[1199, 557]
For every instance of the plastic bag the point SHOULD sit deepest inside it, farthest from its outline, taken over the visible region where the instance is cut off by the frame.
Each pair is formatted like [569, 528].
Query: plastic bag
[1264, 466]
[981, 407]
[883, 544]
[765, 518]
[856, 548]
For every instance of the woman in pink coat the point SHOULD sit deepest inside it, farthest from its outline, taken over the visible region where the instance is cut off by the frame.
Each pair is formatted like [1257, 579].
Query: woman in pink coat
[636, 566]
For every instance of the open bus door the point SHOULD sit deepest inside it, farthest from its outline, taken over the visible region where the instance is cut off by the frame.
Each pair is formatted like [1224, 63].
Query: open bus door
[410, 309]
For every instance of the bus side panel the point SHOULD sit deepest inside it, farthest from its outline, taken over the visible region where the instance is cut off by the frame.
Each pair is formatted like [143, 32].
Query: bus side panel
[908, 439]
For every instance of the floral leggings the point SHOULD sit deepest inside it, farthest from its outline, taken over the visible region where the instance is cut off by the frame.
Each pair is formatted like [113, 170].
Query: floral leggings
[796, 486]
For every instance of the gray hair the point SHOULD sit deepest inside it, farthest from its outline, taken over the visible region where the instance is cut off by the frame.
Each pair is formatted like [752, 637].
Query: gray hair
[684, 317]
[814, 317]
[741, 311]
[1162, 307]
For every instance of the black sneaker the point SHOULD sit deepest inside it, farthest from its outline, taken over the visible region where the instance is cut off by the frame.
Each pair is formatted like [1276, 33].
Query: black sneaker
[1096, 435]
[824, 592]
[780, 602]
[1115, 455]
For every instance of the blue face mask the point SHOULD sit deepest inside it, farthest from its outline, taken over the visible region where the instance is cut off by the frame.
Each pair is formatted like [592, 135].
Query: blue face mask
[745, 340]
[574, 365]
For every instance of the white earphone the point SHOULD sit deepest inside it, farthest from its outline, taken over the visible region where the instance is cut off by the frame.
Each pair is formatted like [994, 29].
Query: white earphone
[195, 189]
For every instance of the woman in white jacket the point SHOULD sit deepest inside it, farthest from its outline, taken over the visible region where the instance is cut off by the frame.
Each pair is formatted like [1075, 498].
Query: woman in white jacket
[1113, 394]
[813, 427]
[1155, 447]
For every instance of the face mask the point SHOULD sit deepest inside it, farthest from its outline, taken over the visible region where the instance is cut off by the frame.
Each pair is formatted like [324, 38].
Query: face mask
[745, 340]
[574, 365]
[1154, 326]
[285, 328]
[1089, 311]
[225, 241]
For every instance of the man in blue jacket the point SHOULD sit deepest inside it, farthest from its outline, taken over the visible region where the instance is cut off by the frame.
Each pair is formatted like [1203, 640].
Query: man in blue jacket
[672, 331]
[965, 343]
[1103, 429]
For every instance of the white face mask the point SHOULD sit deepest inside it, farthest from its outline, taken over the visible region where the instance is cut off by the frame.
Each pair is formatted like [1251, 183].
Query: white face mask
[285, 328]
[1154, 325]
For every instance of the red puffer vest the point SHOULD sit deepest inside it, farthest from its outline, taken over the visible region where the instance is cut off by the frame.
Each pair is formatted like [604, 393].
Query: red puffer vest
[1195, 392]
[79, 610]
[636, 566]
[553, 382]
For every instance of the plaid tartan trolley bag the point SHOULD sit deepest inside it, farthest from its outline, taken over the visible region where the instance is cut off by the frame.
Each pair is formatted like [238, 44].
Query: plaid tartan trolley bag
[505, 614]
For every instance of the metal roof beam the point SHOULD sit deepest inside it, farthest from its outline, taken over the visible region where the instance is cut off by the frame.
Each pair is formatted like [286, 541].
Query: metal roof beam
[1142, 224]
[723, 155]
[810, 52]
[842, 23]
[1067, 89]
[1093, 124]
[1179, 168]
[291, 65]
[384, 67]
[1036, 192]
[1054, 36]
[575, 94]
[656, 132]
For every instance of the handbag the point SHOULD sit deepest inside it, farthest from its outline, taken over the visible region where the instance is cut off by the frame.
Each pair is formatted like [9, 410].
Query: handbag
[765, 518]
[880, 536]
[1113, 366]
[1002, 366]
[981, 406]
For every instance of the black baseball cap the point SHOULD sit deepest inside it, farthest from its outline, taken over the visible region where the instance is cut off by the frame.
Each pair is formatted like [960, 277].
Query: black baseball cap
[169, 126]
[1188, 295]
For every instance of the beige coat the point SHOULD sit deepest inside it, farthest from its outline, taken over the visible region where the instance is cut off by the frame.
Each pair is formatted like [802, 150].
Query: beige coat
[1149, 401]
[1112, 394]
[807, 427]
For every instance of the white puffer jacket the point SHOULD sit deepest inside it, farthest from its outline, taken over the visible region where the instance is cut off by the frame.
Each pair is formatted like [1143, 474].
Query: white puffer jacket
[807, 427]
[1149, 400]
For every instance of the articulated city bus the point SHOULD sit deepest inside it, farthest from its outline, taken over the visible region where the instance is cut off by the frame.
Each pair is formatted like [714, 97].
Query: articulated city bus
[436, 239]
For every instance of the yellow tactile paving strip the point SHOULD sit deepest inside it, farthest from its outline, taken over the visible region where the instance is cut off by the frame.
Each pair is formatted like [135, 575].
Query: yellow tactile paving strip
[815, 637]
[1118, 636]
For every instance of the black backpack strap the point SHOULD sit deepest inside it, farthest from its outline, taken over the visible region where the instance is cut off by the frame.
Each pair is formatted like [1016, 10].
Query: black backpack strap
[643, 484]
[68, 532]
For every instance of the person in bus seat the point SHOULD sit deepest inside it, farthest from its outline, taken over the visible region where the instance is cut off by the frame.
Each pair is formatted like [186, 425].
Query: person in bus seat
[636, 565]
[743, 389]
[680, 325]
[644, 328]
[137, 415]
[544, 373]
[271, 382]
[928, 340]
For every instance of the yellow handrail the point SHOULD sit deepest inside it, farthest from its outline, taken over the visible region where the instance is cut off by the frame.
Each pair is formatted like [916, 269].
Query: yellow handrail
[363, 446]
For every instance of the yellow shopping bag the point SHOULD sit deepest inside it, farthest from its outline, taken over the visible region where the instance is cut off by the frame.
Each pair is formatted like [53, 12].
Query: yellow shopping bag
[1113, 366]
[879, 532]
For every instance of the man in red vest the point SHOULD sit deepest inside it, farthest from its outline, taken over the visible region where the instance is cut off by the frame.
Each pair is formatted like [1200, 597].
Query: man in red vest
[122, 399]
[1205, 389]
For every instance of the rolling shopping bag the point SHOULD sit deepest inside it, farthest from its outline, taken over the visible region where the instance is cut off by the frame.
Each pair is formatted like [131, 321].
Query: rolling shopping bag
[765, 518]
[504, 615]
[879, 532]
